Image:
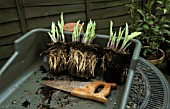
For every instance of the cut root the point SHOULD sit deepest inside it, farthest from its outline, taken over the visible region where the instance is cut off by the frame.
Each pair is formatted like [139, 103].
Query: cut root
[57, 60]
[81, 64]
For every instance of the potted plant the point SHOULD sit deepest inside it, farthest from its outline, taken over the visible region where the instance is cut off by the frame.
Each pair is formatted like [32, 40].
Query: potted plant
[83, 55]
[57, 51]
[81, 58]
[116, 58]
[151, 21]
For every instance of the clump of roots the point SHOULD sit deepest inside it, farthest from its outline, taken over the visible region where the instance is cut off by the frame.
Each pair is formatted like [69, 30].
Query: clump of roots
[58, 59]
[81, 64]
[115, 66]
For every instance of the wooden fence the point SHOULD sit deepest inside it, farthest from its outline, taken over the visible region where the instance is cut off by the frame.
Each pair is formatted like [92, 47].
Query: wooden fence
[19, 16]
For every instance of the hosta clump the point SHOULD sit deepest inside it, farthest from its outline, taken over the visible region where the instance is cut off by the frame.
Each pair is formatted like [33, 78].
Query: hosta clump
[117, 58]
[83, 56]
[57, 51]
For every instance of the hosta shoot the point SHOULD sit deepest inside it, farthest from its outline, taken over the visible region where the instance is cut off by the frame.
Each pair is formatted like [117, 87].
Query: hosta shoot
[90, 32]
[52, 32]
[61, 26]
[57, 31]
[114, 41]
[77, 31]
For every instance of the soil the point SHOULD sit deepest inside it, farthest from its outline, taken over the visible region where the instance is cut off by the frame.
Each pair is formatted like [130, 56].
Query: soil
[26, 104]
[115, 66]
[46, 92]
[58, 57]
[83, 59]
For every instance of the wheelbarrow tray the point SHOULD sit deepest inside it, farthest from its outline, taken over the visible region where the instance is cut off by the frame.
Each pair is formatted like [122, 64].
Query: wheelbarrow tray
[20, 77]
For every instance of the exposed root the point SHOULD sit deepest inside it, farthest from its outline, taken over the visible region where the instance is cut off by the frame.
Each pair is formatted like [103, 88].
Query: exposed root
[57, 60]
[81, 64]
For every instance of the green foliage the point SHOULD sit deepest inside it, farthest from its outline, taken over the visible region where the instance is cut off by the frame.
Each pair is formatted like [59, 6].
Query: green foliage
[59, 31]
[152, 23]
[115, 41]
[52, 33]
[61, 26]
[90, 32]
[76, 33]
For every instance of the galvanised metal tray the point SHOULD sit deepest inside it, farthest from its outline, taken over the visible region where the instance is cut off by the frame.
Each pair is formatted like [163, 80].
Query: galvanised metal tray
[20, 77]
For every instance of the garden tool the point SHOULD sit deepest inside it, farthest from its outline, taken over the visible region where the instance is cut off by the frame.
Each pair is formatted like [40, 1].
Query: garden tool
[83, 89]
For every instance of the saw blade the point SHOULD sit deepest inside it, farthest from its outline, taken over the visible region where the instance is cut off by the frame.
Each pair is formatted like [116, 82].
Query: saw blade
[67, 86]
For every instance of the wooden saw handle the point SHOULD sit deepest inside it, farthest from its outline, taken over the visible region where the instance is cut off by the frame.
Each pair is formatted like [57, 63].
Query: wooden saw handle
[88, 91]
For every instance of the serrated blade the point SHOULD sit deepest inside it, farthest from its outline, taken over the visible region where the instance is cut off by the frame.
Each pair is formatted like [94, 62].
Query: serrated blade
[67, 86]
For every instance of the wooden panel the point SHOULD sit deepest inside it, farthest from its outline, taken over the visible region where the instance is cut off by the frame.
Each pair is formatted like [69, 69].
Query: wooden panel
[112, 3]
[10, 28]
[51, 10]
[102, 0]
[6, 51]
[8, 15]
[106, 31]
[9, 39]
[7, 4]
[103, 31]
[46, 21]
[117, 21]
[109, 12]
[50, 2]
[2, 62]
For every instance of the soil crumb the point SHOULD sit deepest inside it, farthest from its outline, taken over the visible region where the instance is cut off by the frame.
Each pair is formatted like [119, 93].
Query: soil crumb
[43, 69]
[26, 103]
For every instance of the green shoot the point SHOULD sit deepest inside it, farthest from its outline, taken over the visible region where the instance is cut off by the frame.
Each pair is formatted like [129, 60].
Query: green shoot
[119, 36]
[90, 33]
[114, 41]
[61, 26]
[57, 30]
[76, 33]
[58, 35]
[127, 38]
[52, 32]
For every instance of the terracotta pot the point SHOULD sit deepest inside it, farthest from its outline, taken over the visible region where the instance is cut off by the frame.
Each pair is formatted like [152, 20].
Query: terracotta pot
[156, 62]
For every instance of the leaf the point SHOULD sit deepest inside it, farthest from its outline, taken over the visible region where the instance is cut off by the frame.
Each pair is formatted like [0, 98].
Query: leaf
[150, 22]
[165, 10]
[134, 34]
[141, 12]
[166, 26]
[159, 8]
[166, 31]
[160, 2]
[119, 37]
[146, 27]
[111, 30]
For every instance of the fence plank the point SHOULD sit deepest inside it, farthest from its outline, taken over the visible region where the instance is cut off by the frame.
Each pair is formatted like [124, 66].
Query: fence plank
[6, 51]
[9, 39]
[103, 31]
[102, 0]
[109, 12]
[10, 28]
[8, 15]
[21, 16]
[106, 31]
[43, 22]
[50, 2]
[88, 10]
[31, 12]
[117, 21]
[100, 5]
[7, 4]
